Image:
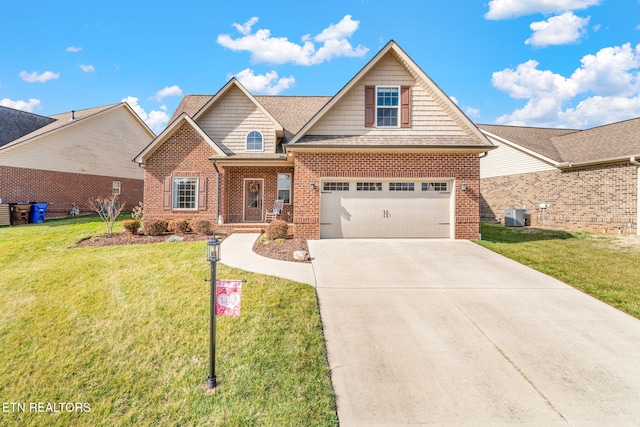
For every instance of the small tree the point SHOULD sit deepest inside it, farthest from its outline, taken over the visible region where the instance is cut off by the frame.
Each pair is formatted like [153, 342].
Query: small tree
[108, 208]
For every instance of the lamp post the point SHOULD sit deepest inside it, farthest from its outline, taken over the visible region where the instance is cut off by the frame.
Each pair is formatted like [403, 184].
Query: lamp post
[213, 256]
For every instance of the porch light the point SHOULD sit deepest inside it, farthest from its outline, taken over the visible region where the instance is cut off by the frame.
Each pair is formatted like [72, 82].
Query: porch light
[463, 186]
[312, 185]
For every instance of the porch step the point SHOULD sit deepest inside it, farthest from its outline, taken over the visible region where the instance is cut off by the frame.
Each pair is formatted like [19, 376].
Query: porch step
[247, 230]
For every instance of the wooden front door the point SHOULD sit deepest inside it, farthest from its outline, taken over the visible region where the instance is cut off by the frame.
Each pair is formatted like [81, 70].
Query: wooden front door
[253, 190]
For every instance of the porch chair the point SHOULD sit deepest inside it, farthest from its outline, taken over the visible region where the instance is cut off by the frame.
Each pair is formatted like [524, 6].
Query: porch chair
[278, 204]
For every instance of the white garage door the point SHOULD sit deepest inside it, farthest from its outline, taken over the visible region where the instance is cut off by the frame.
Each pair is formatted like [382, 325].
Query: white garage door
[373, 208]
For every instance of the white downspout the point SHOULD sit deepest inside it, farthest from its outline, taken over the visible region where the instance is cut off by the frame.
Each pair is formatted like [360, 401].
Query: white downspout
[634, 162]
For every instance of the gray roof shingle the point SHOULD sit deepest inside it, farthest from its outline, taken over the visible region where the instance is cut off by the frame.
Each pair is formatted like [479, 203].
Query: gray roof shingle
[15, 124]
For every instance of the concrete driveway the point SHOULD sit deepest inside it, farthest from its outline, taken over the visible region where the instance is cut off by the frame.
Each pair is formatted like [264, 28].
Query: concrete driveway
[445, 332]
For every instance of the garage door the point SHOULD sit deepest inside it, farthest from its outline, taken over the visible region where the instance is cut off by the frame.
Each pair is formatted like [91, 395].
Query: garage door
[372, 208]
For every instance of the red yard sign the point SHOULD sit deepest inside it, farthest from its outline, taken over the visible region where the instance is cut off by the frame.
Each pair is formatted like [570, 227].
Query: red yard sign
[228, 298]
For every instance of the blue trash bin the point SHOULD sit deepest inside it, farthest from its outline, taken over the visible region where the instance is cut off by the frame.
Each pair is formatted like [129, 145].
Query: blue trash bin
[37, 212]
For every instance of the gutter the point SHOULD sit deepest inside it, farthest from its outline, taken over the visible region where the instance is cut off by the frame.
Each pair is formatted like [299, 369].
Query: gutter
[619, 159]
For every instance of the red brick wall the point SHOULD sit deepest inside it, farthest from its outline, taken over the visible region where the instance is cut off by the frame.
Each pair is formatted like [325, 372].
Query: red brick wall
[314, 166]
[232, 202]
[592, 199]
[185, 153]
[62, 189]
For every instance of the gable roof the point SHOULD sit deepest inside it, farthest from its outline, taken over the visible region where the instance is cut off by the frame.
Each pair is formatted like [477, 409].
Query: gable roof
[64, 120]
[169, 130]
[475, 137]
[570, 147]
[16, 123]
[234, 83]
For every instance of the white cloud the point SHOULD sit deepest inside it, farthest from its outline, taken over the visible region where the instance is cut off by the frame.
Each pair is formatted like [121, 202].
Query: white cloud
[268, 83]
[156, 120]
[608, 80]
[472, 112]
[506, 9]
[29, 105]
[73, 49]
[279, 50]
[87, 68]
[246, 27]
[557, 30]
[167, 91]
[35, 77]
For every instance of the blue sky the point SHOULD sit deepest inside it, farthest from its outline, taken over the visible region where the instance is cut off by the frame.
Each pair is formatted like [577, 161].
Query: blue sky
[553, 63]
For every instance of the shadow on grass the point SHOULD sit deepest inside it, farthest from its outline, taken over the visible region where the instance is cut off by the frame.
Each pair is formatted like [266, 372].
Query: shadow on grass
[498, 233]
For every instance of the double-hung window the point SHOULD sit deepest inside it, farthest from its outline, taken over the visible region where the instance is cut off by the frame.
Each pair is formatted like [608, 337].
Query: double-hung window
[185, 193]
[284, 187]
[387, 106]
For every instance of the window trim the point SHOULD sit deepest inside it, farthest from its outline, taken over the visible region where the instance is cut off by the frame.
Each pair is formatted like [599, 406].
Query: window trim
[288, 189]
[246, 141]
[175, 193]
[396, 107]
[116, 187]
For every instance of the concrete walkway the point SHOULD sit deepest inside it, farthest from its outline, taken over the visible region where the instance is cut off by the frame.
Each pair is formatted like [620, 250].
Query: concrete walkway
[237, 251]
[445, 332]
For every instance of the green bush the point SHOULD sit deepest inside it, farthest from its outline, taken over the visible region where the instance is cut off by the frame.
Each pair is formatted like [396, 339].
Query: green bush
[178, 226]
[277, 229]
[131, 225]
[155, 227]
[200, 226]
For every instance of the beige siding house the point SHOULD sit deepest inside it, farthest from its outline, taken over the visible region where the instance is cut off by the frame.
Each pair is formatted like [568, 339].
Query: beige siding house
[565, 178]
[390, 155]
[71, 157]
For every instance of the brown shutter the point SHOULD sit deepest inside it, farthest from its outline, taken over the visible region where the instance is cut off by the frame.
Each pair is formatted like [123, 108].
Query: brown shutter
[202, 194]
[369, 106]
[405, 106]
[166, 194]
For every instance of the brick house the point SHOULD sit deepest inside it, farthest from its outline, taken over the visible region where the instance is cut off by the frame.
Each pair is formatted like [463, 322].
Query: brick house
[71, 157]
[567, 179]
[390, 155]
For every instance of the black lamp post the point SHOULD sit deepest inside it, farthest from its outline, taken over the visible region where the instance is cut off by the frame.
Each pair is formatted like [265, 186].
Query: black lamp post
[213, 256]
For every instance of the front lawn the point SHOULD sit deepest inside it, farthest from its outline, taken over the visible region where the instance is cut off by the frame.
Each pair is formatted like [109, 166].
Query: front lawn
[604, 266]
[123, 331]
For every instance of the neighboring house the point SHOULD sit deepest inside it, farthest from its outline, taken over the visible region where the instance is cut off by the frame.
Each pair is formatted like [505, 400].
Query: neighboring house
[72, 157]
[566, 179]
[390, 155]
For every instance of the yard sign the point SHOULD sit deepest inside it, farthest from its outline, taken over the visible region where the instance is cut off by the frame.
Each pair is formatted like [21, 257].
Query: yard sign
[228, 299]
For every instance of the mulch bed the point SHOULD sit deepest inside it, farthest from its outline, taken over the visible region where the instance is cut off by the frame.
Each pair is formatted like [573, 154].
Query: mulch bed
[281, 250]
[277, 250]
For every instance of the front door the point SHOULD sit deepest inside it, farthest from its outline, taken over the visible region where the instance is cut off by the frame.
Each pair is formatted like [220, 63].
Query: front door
[253, 200]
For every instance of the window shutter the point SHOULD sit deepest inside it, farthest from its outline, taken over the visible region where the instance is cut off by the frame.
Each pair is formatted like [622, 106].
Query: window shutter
[369, 106]
[405, 106]
[166, 194]
[202, 194]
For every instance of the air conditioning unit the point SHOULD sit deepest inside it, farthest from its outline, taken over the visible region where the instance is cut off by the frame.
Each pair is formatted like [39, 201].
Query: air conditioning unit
[514, 217]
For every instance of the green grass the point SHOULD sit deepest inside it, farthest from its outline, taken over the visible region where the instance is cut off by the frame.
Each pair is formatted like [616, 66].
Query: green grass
[125, 329]
[606, 267]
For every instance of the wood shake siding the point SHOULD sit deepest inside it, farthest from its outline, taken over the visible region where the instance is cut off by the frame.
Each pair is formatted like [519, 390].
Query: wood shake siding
[312, 167]
[427, 117]
[230, 120]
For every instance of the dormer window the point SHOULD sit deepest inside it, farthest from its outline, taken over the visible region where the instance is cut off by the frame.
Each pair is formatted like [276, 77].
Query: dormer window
[255, 141]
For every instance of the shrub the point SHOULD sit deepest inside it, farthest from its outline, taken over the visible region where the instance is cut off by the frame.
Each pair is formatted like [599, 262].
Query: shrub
[155, 227]
[201, 227]
[277, 229]
[108, 208]
[178, 226]
[131, 225]
[138, 212]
